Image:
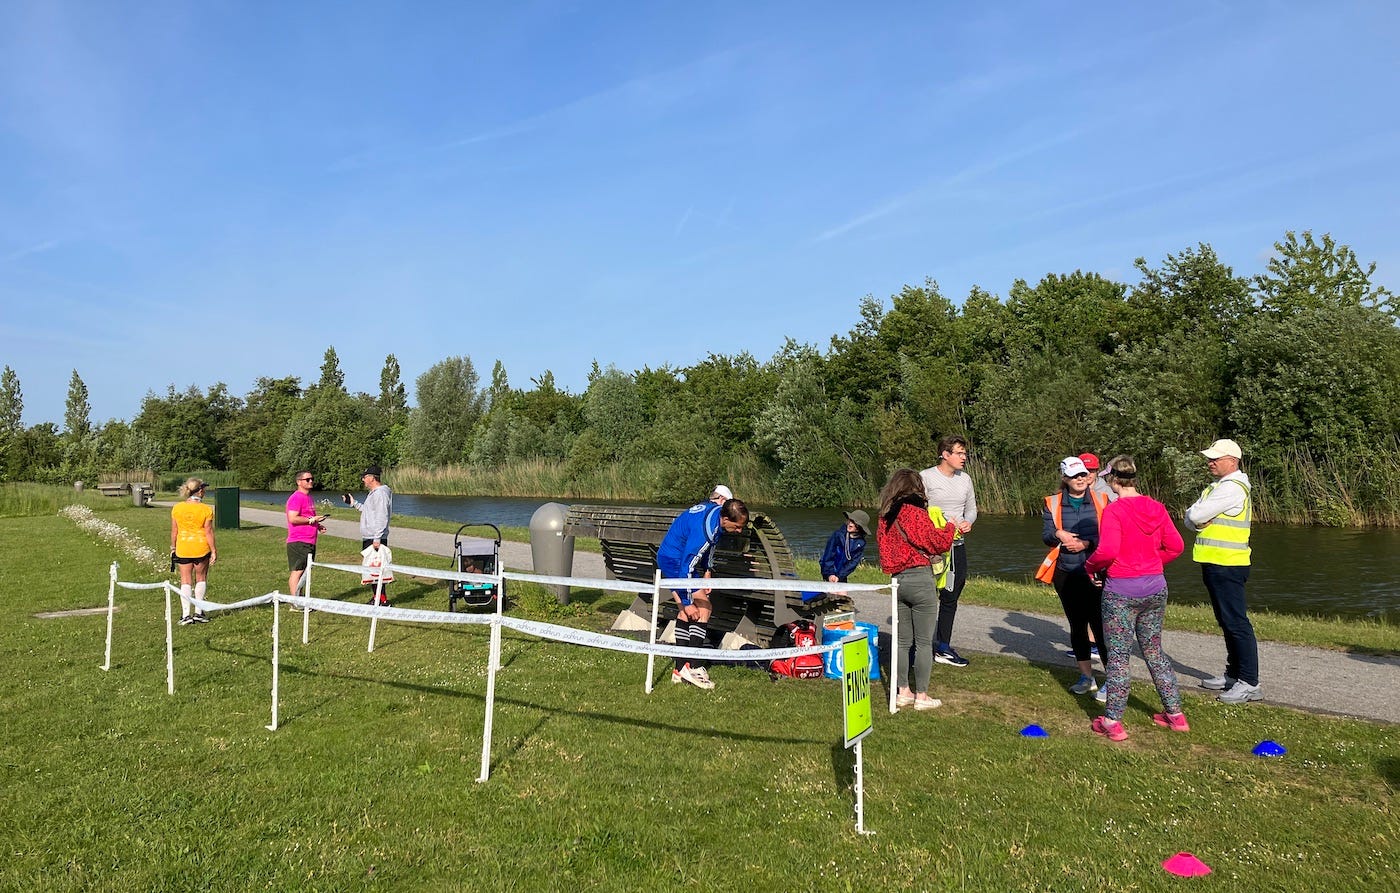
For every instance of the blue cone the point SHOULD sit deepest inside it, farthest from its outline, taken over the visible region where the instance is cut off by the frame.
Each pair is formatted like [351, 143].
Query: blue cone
[1268, 748]
[1034, 731]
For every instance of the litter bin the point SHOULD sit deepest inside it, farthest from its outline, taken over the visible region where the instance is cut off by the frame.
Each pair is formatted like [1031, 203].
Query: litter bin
[551, 551]
[226, 508]
[141, 495]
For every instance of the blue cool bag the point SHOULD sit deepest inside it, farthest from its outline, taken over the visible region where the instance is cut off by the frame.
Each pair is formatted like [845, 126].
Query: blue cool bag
[831, 661]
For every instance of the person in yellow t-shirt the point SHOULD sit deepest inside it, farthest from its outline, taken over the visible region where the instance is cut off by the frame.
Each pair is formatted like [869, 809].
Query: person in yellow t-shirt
[192, 547]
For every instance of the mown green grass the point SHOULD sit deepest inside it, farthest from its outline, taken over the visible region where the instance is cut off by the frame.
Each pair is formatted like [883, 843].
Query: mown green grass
[112, 784]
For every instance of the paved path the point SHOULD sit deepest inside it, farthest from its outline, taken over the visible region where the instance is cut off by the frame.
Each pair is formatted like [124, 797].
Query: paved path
[1313, 679]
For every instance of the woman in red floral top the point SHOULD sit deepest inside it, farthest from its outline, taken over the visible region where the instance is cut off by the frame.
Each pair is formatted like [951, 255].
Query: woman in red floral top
[908, 540]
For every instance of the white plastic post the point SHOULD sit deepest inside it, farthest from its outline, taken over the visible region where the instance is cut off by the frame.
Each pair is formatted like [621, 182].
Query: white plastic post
[111, 608]
[306, 614]
[655, 615]
[500, 612]
[894, 643]
[169, 644]
[276, 656]
[491, 662]
[860, 790]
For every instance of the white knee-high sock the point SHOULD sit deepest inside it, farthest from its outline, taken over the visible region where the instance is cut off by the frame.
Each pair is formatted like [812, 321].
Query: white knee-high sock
[184, 599]
[199, 589]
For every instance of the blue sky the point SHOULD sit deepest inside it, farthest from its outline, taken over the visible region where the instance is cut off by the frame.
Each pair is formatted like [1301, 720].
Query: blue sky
[216, 191]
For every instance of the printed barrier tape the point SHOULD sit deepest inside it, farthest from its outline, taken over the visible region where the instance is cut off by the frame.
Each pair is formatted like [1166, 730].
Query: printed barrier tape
[161, 585]
[430, 573]
[784, 585]
[204, 605]
[726, 583]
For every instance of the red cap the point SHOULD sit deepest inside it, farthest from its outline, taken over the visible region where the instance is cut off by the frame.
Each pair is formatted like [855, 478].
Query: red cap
[1090, 461]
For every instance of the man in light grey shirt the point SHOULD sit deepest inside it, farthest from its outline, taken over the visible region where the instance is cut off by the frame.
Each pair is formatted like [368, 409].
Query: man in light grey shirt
[948, 486]
[374, 514]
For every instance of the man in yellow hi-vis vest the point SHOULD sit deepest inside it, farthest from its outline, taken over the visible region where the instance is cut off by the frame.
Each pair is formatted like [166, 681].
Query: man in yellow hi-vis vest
[1221, 520]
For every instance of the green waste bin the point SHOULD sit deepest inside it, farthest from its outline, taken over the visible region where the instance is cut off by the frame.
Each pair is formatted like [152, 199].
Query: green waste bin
[226, 508]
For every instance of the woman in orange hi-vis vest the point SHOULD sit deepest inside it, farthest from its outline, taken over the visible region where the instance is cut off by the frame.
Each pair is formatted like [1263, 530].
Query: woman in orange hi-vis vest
[1070, 523]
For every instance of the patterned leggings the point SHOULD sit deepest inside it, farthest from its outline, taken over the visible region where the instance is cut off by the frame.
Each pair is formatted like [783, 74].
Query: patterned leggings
[1127, 618]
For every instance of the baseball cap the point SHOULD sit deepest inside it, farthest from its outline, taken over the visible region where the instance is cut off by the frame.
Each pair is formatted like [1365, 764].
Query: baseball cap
[1090, 461]
[1223, 447]
[722, 490]
[1072, 465]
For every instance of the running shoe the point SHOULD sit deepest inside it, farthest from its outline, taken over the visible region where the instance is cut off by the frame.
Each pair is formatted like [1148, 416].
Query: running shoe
[1111, 729]
[1085, 685]
[201, 617]
[1174, 721]
[950, 657]
[1218, 683]
[696, 676]
[1241, 692]
[186, 620]
[927, 704]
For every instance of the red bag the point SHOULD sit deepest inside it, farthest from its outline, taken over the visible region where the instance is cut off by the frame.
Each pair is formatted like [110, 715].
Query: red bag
[798, 634]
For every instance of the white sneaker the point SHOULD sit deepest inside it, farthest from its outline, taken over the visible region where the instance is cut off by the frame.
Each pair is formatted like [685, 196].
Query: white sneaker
[1217, 683]
[696, 676]
[1102, 696]
[1241, 692]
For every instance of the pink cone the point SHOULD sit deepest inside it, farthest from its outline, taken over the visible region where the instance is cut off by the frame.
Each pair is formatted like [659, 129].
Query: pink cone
[1186, 865]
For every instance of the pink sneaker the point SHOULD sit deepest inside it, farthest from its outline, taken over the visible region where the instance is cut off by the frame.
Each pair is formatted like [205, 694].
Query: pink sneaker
[1174, 721]
[1109, 728]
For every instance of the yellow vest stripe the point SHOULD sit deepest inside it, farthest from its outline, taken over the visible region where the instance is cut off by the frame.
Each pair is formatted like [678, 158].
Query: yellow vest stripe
[1225, 540]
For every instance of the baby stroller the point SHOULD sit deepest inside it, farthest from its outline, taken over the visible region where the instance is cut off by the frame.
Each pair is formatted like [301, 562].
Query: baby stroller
[474, 559]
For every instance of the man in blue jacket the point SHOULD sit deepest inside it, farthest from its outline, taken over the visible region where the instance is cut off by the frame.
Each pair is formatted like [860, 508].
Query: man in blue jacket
[688, 550]
[846, 547]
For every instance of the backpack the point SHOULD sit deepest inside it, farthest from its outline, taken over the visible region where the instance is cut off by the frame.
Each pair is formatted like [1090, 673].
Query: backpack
[797, 634]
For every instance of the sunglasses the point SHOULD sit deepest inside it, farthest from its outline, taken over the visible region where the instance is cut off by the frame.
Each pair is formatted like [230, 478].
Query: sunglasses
[305, 480]
[1082, 474]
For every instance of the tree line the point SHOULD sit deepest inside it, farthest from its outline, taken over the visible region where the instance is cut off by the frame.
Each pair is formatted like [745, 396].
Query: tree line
[1300, 364]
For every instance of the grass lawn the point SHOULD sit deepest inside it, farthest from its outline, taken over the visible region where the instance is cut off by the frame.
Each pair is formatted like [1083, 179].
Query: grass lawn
[369, 784]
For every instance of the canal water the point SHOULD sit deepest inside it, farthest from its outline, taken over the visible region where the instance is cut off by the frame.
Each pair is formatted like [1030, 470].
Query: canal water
[1347, 572]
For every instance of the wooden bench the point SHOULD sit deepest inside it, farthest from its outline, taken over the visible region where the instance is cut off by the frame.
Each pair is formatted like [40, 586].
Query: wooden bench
[630, 536]
[114, 489]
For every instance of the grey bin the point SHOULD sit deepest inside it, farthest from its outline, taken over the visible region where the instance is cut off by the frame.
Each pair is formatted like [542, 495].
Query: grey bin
[141, 495]
[550, 550]
[226, 508]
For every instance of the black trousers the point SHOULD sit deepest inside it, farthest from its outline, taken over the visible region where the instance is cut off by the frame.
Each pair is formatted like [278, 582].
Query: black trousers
[1083, 604]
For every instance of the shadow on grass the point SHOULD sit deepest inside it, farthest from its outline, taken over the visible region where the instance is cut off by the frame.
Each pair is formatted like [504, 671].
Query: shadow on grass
[706, 732]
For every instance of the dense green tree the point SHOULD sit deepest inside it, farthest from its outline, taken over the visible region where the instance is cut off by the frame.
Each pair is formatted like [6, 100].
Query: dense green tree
[448, 408]
[77, 413]
[188, 425]
[332, 379]
[11, 417]
[1305, 274]
[254, 435]
[335, 435]
[613, 409]
[36, 454]
[393, 396]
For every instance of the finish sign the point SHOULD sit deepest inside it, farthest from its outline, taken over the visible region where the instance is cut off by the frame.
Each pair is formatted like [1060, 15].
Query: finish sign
[855, 686]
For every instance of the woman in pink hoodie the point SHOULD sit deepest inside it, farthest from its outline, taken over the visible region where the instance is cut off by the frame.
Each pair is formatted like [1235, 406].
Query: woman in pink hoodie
[1136, 539]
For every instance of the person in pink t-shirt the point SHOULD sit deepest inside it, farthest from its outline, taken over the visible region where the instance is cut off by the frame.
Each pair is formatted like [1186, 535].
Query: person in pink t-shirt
[303, 526]
[1136, 539]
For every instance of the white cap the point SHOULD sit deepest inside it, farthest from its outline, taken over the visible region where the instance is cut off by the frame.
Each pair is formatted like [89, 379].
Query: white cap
[722, 490]
[1223, 448]
[1072, 465]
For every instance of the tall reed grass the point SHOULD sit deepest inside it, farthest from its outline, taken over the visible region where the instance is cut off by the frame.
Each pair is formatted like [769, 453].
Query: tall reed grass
[1303, 490]
[23, 500]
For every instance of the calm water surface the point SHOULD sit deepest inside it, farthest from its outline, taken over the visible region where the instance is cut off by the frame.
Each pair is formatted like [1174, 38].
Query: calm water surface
[1348, 572]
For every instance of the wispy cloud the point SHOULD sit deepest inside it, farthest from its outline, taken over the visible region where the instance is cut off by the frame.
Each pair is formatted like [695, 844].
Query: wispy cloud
[26, 252]
[963, 177]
